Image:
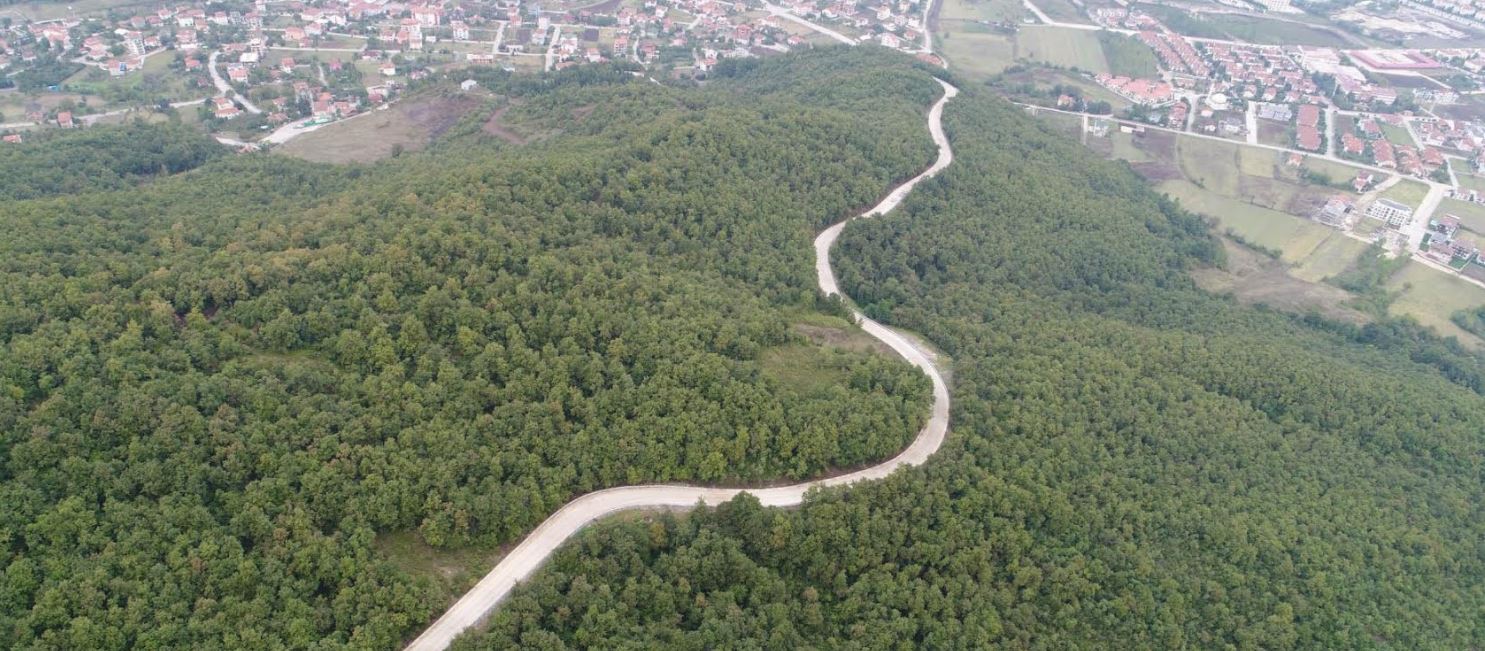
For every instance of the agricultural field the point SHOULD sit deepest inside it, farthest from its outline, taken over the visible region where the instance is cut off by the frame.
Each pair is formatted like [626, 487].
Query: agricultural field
[1432, 297]
[408, 125]
[979, 56]
[1069, 48]
[1406, 192]
[974, 11]
[1295, 238]
[1064, 11]
[1337, 172]
[1471, 215]
[1127, 56]
[1331, 257]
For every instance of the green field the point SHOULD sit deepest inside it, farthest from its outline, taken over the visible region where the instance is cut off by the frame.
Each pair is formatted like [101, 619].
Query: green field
[1294, 237]
[1333, 256]
[1397, 135]
[1210, 163]
[1432, 296]
[1471, 215]
[1338, 172]
[1470, 181]
[1256, 161]
[1069, 48]
[1127, 56]
[1407, 192]
[972, 11]
[1062, 11]
[978, 56]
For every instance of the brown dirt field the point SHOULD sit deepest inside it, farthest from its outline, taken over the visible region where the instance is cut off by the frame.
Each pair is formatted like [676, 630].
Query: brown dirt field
[844, 339]
[410, 125]
[1160, 145]
[495, 128]
[1157, 172]
[1256, 279]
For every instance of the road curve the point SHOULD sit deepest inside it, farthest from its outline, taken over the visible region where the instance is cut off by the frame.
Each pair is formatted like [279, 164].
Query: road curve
[527, 556]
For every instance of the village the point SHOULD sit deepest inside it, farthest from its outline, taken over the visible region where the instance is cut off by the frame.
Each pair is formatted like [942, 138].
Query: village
[265, 72]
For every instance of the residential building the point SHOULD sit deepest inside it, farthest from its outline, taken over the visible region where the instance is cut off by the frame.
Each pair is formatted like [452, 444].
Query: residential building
[1393, 213]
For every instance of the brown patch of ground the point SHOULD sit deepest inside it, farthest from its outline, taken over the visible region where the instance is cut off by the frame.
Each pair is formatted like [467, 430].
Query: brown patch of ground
[1155, 172]
[494, 127]
[843, 339]
[1160, 145]
[408, 126]
[582, 112]
[1255, 279]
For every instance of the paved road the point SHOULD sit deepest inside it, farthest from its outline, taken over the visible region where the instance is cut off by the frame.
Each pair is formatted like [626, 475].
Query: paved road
[522, 561]
[224, 88]
[786, 15]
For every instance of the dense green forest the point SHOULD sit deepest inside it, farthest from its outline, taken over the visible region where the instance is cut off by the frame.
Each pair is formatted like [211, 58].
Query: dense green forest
[1133, 463]
[87, 160]
[219, 388]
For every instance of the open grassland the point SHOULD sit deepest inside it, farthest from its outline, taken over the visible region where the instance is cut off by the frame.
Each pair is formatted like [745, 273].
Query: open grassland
[406, 126]
[979, 56]
[1337, 172]
[1069, 48]
[1432, 297]
[1331, 257]
[1407, 192]
[1293, 237]
[1127, 56]
[1254, 278]
[1278, 32]
[1471, 215]
[1256, 161]
[1469, 181]
[1063, 11]
[979, 10]
[1209, 163]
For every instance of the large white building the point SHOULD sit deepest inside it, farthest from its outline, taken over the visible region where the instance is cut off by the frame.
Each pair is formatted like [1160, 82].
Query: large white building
[1392, 212]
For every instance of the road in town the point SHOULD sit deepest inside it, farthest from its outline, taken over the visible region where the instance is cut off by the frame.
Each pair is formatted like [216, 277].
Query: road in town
[786, 15]
[527, 556]
[224, 88]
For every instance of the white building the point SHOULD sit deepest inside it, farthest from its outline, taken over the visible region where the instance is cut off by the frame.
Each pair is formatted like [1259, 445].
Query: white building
[1392, 212]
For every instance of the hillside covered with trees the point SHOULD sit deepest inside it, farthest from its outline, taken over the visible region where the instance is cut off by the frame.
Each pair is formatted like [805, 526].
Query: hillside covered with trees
[1133, 463]
[221, 388]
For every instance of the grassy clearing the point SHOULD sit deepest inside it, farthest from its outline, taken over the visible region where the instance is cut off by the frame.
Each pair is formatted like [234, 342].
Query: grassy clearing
[1253, 278]
[1063, 11]
[1209, 163]
[1072, 125]
[1432, 296]
[451, 571]
[1398, 135]
[1407, 192]
[1125, 149]
[1293, 237]
[1069, 48]
[1336, 171]
[979, 56]
[407, 126]
[1471, 215]
[1333, 256]
[1257, 161]
[977, 10]
[815, 366]
[1127, 56]
[1469, 181]
[1278, 32]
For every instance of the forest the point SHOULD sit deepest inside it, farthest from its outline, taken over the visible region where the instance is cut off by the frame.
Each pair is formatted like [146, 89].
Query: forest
[1133, 463]
[90, 160]
[223, 380]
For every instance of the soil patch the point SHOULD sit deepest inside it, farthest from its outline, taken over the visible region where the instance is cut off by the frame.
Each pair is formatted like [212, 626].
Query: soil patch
[494, 127]
[1255, 279]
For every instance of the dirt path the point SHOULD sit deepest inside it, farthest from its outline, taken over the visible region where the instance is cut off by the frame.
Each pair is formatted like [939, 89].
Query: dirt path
[529, 555]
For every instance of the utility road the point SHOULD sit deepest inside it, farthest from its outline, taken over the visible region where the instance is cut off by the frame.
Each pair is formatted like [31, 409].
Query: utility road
[476, 604]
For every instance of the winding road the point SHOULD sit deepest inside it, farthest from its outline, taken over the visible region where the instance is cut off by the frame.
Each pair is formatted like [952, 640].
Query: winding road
[527, 556]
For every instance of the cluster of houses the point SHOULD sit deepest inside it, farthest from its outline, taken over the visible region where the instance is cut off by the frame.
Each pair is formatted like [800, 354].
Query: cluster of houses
[1446, 243]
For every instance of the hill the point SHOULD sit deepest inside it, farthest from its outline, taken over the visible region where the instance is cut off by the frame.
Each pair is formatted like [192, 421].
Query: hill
[1133, 463]
[230, 397]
